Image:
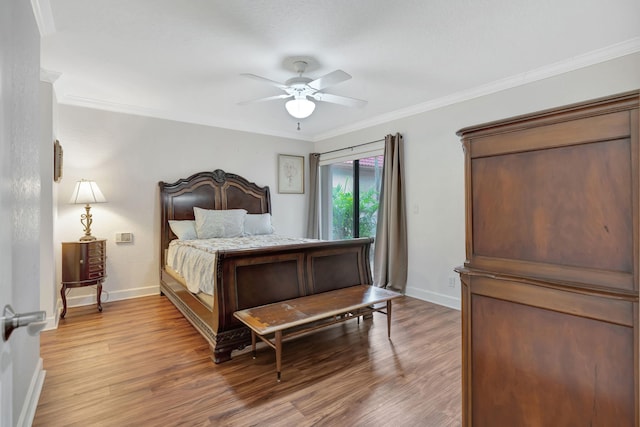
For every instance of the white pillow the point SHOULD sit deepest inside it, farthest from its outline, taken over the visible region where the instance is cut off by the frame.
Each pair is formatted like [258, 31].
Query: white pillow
[255, 224]
[219, 223]
[185, 230]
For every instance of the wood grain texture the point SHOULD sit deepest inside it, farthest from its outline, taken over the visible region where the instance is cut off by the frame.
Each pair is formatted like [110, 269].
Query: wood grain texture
[139, 362]
[580, 362]
[575, 201]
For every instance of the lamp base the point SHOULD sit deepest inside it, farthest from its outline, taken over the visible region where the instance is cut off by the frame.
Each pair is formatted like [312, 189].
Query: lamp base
[87, 238]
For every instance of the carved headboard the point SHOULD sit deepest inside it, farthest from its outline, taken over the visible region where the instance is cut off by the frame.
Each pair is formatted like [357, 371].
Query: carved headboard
[208, 190]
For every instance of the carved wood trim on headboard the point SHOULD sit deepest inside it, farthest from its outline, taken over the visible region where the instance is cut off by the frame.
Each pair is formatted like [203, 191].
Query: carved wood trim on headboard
[207, 190]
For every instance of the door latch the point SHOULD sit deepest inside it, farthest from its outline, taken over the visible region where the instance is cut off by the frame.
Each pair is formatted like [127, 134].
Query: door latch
[34, 321]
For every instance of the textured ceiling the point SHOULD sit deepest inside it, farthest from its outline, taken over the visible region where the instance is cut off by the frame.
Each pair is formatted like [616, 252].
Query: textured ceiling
[182, 59]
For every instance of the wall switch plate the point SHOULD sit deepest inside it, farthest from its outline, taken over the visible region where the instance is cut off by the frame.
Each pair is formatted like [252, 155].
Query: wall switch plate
[124, 237]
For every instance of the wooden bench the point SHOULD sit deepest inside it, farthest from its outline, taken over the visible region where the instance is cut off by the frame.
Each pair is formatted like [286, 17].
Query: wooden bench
[273, 322]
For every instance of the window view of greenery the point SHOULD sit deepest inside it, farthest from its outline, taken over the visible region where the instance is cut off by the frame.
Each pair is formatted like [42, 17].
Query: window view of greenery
[343, 207]
[345, 180]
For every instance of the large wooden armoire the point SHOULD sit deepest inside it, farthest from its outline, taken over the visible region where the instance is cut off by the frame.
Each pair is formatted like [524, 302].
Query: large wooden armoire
[550, 283]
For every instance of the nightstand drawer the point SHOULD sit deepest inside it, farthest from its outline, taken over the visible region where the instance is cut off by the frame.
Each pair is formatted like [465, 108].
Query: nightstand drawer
[96, 251]
[96, 260]
[96, 267]
[96, 274]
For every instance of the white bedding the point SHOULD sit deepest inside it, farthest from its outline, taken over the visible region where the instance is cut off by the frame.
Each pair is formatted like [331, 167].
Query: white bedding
[195, 260]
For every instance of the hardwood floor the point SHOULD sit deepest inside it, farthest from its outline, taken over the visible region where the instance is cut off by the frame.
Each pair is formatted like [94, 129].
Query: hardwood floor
[139, 362]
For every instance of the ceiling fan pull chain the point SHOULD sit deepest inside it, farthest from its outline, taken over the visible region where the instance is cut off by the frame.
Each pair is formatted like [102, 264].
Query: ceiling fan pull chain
[298, 125]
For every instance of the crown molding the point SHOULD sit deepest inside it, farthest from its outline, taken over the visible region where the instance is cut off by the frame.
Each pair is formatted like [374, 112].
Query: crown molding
[44, 17]
[178, 116]
[618, 50]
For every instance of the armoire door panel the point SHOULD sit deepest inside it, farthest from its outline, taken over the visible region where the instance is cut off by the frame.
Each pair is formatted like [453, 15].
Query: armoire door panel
[537, 367]
[568, 206]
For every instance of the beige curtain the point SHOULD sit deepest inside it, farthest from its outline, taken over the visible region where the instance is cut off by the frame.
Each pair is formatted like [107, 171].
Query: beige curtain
[390, 256]
[313, 220]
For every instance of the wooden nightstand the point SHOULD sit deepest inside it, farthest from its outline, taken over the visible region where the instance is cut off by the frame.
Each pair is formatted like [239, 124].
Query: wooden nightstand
[83, 264]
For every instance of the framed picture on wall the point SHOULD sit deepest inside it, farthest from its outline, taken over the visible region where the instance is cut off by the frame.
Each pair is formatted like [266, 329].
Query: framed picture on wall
[57, 161]
[290, 174]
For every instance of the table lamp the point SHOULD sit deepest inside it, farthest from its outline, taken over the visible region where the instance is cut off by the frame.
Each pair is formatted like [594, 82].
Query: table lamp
[86, 192]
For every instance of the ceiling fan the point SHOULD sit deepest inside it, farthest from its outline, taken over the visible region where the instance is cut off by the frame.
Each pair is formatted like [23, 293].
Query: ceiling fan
[303, 91]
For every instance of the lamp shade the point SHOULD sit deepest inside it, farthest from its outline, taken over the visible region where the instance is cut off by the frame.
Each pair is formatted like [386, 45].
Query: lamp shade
[300, 108]
[86, 192]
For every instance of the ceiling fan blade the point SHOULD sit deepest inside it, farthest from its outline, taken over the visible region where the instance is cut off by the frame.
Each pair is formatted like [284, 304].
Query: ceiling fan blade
[269, 98]
[337, 99]
[263, 79]
[333, 78]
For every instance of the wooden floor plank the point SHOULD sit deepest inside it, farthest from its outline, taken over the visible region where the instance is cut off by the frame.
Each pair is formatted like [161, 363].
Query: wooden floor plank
[139, 362]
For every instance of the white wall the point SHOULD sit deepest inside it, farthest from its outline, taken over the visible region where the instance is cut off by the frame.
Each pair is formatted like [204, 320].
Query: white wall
[434, 164]
[127, 156]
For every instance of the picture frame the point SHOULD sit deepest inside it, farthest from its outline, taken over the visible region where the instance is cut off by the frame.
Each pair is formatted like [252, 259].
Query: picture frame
[57, 161]
[290, 174]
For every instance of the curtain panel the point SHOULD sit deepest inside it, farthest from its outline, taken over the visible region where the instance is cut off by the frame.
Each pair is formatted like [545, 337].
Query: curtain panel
[390, 260]
[313, 220]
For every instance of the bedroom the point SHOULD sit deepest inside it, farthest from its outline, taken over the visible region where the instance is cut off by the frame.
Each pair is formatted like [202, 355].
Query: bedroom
[128, 151]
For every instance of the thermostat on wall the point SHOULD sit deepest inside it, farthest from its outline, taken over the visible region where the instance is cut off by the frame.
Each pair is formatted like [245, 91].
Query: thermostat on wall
[124, 237]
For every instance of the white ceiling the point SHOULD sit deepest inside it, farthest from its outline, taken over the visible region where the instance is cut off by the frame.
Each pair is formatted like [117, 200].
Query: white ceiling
[182, 59]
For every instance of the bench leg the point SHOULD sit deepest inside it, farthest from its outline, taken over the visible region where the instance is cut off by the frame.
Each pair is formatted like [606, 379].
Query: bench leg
[389, 319]
[278, 353]
[253, 343]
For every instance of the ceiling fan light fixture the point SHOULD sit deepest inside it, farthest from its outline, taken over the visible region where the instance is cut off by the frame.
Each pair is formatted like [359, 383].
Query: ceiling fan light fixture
[300, 108]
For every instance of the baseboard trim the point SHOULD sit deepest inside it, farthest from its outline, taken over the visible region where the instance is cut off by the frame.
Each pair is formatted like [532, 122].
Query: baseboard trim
[434, 297]
[52, 322]
[107, 295]
[28, 411]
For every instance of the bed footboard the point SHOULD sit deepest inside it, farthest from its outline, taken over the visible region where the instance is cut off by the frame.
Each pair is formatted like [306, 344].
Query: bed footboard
[258, 277]
[249, 278]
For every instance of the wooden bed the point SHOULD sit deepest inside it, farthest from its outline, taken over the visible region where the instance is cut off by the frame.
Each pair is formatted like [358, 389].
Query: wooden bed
[250, 277]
